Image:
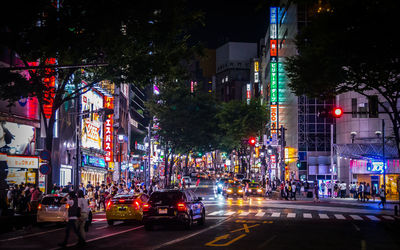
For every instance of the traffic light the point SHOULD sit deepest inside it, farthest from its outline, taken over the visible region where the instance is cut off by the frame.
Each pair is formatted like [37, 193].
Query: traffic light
[298, 164]
[337, 112]
[252, 141]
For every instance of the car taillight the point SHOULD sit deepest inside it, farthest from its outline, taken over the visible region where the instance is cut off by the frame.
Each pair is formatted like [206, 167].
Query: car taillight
[109, 203]
[39, 207]
[67, 206]
[181, 207]
[146, 207]
[121, 201]
[136, 203]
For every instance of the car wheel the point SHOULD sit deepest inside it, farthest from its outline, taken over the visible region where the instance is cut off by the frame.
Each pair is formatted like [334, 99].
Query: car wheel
[148, 227]
[202, 220]
[189, 222]
[110, 222]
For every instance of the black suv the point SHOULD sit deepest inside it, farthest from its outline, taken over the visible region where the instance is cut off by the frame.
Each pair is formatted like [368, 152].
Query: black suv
[179, 206]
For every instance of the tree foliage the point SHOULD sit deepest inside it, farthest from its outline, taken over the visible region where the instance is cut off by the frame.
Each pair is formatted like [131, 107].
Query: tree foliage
[349, 46]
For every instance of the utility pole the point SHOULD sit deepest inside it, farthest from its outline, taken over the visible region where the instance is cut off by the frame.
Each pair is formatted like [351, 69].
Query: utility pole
[383, 156]
[78, 139]
[282, 157]
[332, 172]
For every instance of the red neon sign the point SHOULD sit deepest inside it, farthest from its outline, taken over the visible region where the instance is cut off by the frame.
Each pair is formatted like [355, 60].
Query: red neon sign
[108, 130]
[273, 48]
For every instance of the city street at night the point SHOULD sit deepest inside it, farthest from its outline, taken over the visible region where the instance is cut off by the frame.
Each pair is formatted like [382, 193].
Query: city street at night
[188, 124]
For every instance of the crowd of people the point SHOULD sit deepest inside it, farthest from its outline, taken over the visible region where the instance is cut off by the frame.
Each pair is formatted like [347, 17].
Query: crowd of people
[23, 198]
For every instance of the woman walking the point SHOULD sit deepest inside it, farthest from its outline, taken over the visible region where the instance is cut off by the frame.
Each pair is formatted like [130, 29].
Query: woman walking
[316, 189]
[382, 196]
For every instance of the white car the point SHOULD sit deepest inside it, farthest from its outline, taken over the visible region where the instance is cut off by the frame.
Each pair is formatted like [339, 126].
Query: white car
[50, 209]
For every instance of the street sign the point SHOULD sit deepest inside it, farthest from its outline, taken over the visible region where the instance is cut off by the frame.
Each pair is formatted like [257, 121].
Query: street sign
[45, 155]
[45, 169]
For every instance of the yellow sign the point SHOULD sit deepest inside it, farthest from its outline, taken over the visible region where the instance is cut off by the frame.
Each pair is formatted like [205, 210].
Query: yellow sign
[256, 68]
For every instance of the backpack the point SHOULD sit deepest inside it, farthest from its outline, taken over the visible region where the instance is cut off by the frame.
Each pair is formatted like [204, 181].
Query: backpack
[74, 210]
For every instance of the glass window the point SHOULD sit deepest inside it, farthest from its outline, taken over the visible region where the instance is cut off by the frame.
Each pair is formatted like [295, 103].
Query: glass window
[311, 127]
[311, 119]
[354, 107]
[311, 109]
[320, 128]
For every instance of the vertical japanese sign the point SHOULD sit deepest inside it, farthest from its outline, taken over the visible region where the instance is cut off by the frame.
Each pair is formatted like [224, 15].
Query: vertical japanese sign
[256, 72]
[274, 118]
[274, 82]
[108, 130]
[248, 93]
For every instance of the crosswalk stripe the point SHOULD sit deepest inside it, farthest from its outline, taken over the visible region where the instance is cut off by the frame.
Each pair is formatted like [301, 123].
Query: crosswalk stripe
[307, 215]
[215, 213]
[323, 216]
[260, 214]
[340, 217]
[244, 213]
[355, 217]
[388, 217]
[229, 213]
[371, 217]
[276, 215]
[291, 215]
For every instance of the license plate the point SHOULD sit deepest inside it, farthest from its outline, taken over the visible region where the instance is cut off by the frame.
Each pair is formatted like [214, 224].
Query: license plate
[163, 210]
[122, 208]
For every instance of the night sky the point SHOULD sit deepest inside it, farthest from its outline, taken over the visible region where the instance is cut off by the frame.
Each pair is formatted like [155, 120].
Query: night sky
[237, 21]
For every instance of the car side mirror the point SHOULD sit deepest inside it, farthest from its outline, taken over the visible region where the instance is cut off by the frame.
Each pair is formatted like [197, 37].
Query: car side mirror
[199, 198]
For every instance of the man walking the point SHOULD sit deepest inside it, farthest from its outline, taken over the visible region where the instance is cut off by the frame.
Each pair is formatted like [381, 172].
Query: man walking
[73, 215]
[382, 196]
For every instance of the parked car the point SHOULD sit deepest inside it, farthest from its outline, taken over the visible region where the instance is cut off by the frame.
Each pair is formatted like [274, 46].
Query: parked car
[173, 206]
[126, 207]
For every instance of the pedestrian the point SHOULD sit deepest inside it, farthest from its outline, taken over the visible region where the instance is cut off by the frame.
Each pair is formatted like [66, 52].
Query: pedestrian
[367, 191]
[342, 189]
[35, 198]
[382, 196]
[302, 190]
[101, 198]
[73, 215]
[329, 187]
[316, 192]
[336, 189]
[89, 185]
[373, 192]
[294, 190]
[83, 219]
[323, 188]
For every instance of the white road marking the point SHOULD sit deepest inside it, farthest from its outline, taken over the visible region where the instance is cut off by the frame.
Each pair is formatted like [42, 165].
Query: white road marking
[388, 217]
[211, 198]
[216, 212]
[31, 235]
[229, 213]
[244, 213]
[355, 217]
[307, 216]
[340, 217]
[260, 214]
[291, 215]
[371, 217]
[276, 215]
[323, 216]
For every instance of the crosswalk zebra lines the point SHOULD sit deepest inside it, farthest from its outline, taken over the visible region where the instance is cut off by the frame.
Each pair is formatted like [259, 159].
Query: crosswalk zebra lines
[322, 216]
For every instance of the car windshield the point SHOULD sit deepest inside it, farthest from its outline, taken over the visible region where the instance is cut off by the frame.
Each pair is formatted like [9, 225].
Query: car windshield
[234, 185]
[165, 197]
[125, 196]
[52, 201]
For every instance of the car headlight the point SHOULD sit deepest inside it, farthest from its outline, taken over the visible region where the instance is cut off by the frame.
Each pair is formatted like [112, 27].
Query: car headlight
[259, 190]
[229, 190]
[240, 191]
[220, 185]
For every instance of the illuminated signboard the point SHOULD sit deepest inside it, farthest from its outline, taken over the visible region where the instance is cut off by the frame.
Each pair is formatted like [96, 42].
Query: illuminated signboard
[274, 118]
[376, 167]
[273, 47]
[274, 83]
[273, 15]
[273, 159]
[248, 93]
[91, 128]
[256, 74]
[256, 66]
[108, 130]
[93, 161]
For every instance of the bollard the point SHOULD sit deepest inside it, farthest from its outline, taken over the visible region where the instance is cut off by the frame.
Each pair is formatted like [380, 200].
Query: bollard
[396, 210]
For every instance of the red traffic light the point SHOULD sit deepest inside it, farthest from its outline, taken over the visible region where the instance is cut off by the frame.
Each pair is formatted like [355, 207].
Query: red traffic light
[337, 112]
[252, 141]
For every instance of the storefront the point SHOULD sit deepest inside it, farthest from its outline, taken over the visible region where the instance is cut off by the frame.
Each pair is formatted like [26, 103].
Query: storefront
[94, 169]
[371, 172]
[65, 174]
[21, 169]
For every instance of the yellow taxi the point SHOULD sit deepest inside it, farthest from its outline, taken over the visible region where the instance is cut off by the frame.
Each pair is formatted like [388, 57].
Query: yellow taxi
[126, 207]
[255, 188]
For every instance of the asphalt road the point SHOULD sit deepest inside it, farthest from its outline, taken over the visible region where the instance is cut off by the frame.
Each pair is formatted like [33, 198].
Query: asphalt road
[253, 223]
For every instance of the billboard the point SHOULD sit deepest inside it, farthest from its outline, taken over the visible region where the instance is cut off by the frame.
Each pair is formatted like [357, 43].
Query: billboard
[92, 131]
[108, 130]
[17, 138]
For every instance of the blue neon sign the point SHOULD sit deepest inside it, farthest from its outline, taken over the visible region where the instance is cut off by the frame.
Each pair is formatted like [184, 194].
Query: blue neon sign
[273, 15]
[376, 166]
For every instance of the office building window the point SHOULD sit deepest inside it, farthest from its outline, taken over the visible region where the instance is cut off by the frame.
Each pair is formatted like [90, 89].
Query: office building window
[354, 107]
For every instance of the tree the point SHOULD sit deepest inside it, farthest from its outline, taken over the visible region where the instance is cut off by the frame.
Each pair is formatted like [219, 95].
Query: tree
[348, 46]
[121, 41]
[186, 120]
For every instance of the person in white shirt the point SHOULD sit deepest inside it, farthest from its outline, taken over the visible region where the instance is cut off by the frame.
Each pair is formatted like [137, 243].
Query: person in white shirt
[83, 204]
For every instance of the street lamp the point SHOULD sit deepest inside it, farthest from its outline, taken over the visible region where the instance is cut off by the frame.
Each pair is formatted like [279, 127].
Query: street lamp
[121, 139]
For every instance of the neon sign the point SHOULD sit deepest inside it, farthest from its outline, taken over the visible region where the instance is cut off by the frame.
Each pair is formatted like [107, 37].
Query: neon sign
[376, 166]
[108, 130]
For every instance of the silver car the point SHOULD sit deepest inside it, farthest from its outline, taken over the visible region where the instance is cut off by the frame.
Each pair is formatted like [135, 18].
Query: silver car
[50, 209]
